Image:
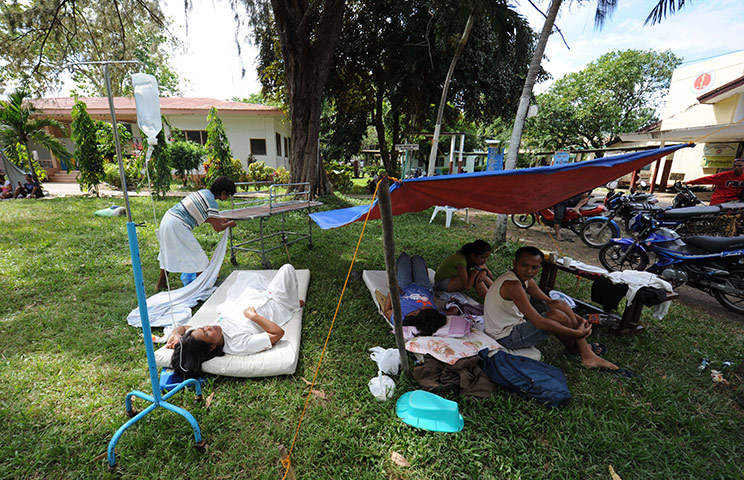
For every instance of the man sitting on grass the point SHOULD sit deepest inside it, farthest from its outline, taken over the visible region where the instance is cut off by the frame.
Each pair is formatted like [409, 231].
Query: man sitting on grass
[512, 320]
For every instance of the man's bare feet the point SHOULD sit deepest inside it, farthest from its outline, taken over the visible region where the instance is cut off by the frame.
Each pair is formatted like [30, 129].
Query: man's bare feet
[593, 361]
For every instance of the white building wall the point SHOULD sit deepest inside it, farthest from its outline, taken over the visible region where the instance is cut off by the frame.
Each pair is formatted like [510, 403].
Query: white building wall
[683, 110]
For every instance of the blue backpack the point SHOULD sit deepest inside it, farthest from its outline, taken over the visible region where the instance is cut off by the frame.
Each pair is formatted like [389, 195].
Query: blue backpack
[529, 378]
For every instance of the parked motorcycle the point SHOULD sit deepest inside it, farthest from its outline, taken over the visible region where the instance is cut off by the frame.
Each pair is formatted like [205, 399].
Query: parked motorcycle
[597, 231]
[571, 219]
[712, 264]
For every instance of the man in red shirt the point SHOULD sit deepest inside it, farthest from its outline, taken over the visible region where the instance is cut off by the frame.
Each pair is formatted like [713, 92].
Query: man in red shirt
[729, 185]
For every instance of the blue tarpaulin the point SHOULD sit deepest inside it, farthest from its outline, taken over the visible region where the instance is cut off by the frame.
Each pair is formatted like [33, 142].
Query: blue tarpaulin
[508, 191]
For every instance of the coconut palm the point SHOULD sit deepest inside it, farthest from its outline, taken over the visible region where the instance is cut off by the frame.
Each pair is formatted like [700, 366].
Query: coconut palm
[17, 127]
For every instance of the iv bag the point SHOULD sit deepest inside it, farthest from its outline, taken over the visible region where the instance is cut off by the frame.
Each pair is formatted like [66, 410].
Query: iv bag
[147, 99]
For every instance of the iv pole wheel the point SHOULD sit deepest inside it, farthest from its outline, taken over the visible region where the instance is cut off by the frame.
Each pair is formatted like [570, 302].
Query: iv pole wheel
[113, 468]
[201, 447]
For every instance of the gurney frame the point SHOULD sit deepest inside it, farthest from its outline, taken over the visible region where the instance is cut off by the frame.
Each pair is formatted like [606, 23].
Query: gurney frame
[264, 202]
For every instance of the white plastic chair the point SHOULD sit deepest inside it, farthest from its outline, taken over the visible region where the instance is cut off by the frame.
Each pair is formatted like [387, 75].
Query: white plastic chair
[448, 211]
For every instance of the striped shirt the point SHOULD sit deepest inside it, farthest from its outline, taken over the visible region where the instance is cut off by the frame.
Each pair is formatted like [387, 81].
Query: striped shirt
[195, 208]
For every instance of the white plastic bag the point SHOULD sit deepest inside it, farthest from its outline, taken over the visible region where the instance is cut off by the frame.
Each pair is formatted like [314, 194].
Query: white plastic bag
[382, 387]
[387, 359]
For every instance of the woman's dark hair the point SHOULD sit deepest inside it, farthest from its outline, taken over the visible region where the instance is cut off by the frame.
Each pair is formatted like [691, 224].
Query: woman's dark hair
[222, 184]
[478, 247]
[189, 354]
[427, 321]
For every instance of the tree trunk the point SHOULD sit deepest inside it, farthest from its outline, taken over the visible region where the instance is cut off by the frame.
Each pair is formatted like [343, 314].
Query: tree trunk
[443, 100]
[499, 233]
[30, 163]
[381, 137]
[307, 49]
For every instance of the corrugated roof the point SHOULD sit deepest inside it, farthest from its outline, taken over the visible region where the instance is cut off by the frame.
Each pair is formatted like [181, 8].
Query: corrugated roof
[168, 105]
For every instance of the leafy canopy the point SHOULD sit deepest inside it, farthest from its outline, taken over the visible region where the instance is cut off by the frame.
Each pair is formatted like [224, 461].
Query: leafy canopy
[87, 156]
[39, 39]
[619, 92]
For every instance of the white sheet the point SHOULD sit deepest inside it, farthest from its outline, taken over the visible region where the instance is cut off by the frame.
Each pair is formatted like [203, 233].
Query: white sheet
[281, 359]
[377, 280]
[174, 307]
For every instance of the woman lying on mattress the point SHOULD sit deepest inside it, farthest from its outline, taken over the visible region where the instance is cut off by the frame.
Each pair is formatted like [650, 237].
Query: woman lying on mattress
[249, 322]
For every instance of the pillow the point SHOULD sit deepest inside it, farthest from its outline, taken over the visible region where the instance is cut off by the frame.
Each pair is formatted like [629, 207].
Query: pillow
[450, 350]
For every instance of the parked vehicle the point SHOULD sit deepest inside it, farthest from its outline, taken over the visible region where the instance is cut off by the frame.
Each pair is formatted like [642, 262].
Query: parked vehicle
[571, 219]
[597, 231]
[712, 264]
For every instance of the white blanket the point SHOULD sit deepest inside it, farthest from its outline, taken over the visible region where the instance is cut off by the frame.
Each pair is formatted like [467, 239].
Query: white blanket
[174, 308]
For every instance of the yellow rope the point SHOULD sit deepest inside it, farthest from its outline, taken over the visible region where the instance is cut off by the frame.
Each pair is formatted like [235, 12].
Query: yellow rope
[287, 461]
[715, 131]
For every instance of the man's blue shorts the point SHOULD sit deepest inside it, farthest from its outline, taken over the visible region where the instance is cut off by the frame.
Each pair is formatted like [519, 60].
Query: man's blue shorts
[524, 335]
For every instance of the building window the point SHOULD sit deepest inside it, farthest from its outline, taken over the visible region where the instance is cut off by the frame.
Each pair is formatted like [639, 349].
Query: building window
[278, 145]
[286, 147]
[258, 146]
[197, 136]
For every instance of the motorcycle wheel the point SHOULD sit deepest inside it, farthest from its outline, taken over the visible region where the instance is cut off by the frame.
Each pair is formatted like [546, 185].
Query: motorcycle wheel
[523, 220]
[733, 301]
[597, 232]
[576, 225]
[610, 255]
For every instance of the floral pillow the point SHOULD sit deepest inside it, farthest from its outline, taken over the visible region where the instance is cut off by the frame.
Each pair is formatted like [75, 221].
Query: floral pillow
[450, 350]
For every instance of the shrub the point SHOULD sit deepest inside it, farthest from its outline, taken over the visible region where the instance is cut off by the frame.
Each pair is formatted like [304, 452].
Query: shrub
[87, 155]
[340, 176]
[185, 156]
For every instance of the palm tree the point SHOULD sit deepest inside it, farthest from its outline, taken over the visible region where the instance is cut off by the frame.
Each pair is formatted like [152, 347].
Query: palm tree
[17, 127]
[605, 9]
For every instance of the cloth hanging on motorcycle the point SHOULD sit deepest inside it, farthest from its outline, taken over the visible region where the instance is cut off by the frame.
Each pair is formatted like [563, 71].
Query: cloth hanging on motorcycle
[500, 191]
[608, 294]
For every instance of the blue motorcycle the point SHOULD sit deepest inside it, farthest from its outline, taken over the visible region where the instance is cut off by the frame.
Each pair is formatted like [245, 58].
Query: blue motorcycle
[714, 265]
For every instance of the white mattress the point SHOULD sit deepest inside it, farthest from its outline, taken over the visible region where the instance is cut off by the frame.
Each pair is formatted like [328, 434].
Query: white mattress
[281, 359]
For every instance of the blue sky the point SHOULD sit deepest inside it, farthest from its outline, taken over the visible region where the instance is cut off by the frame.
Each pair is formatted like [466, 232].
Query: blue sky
[702, 29]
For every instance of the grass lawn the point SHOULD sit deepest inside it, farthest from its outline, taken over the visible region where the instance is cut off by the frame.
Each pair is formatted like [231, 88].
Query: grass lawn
[69, 358]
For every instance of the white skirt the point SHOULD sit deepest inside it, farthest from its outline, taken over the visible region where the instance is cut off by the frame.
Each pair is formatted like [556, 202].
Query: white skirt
[179, 250]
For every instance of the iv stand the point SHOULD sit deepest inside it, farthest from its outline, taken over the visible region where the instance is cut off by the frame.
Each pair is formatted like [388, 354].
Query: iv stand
[155, 399]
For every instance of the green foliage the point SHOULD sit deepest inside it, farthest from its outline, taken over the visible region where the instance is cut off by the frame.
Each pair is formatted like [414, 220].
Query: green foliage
[185, 156]
[106, 142]
[219, 160]
[18, 154]
[259, 172]
[340, 176]
[17, 128]
[87, 156]
[281, 175]
[619, 92]
[159, 167]
[43, 38]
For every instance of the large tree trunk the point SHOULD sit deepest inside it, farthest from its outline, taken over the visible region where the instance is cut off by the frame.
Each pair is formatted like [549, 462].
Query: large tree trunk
[499, 233]
[307, 47]
[443, 100]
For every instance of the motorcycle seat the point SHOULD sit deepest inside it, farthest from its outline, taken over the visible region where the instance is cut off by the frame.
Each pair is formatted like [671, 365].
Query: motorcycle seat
[589, 206]
[716, 244]
[731, 206]
[687, 212]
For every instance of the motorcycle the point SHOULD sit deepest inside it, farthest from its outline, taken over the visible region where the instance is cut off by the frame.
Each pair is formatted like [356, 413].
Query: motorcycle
[571, 219]
[714, 265]
[597, 232]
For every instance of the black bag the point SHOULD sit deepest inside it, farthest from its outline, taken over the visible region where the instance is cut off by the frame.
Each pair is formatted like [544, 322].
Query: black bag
[529, 378]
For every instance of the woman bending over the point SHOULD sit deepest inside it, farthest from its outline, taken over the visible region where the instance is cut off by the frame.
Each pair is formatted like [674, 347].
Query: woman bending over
[466, 269]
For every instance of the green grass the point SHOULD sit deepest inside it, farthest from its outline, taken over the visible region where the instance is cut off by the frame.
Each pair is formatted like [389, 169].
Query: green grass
[68, 359]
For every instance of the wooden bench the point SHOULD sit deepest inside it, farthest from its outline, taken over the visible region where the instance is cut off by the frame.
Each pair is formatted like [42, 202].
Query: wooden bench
[629, 324]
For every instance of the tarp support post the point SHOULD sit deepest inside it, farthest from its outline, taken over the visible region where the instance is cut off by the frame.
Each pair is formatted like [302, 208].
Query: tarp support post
[388, 241]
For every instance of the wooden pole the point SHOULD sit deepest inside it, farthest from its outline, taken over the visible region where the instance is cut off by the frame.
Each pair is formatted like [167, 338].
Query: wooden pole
[388, 241]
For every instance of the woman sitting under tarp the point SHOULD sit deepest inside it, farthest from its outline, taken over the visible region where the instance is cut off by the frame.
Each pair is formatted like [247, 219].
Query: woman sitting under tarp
[249, 321]
[466, 269]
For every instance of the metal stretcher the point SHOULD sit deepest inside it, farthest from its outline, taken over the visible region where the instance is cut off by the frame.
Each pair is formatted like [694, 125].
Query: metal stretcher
[263, 200]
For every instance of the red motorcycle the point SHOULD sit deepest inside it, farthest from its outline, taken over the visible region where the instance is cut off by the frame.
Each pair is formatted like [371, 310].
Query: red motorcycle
[571, 219]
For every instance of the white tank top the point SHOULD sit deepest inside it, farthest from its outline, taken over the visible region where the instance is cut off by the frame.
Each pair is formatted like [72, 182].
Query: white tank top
[501, 315]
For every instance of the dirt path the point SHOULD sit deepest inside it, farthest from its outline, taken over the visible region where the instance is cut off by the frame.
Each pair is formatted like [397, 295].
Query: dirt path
[538, 236]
